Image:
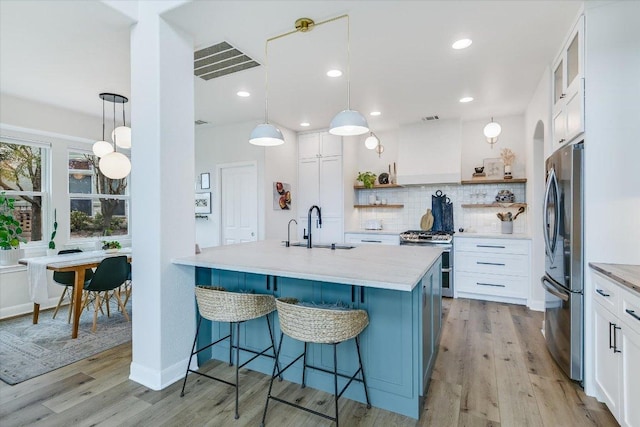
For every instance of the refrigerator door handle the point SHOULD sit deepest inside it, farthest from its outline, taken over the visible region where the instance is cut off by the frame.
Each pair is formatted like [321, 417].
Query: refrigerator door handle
[556, 232]
[545, 215]
[553, 290]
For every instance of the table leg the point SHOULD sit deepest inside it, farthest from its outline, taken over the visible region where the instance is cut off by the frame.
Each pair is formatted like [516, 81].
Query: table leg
[36, 313]
[78, 286]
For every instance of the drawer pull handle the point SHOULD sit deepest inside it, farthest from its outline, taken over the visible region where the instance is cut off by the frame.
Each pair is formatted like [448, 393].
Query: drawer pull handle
[490, 284]
[371, 241]
[601, 292]
[632, 313]
[490, 246]
[490, 263]
[446, 270]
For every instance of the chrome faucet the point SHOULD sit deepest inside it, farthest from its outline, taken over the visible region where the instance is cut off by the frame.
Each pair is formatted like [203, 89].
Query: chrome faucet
[288, 242]
[309, 245]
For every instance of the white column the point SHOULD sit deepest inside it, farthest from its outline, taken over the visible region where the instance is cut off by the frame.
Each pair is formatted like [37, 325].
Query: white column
[162, 195]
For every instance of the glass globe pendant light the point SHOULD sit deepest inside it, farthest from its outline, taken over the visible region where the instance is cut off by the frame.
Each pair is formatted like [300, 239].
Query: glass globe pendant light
[102, 148]
[491, 132]
[114, 165]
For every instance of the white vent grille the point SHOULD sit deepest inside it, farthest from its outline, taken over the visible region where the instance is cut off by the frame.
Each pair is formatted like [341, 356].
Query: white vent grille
[430, 118]
[200, 122]
[219, 60]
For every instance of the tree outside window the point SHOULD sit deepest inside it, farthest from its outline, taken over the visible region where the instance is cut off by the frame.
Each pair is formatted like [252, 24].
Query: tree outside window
[21, 176]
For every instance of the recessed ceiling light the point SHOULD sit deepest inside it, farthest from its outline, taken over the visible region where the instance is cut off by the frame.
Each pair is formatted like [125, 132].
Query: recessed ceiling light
[466, 99]
[243, 94]
[462, 44]
[304, 124]
[375, 113]
[334, 73]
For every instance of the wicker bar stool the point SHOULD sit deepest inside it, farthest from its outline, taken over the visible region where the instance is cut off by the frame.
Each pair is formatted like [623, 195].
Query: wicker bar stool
[323, 326]
[218, 305]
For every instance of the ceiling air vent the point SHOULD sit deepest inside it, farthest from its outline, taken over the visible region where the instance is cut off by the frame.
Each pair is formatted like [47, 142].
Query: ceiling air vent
[201, 122]
[219, 60]
[429, 118]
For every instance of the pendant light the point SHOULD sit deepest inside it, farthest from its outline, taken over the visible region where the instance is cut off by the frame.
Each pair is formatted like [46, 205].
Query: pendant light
[348, 122]
[114, 165]
[373, 143]
[122, 134]
[491, 132]
[266, 134]
[102, 148]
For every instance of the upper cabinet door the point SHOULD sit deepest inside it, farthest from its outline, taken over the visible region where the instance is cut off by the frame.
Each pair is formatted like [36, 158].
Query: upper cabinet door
[330, 145]
[308, 145]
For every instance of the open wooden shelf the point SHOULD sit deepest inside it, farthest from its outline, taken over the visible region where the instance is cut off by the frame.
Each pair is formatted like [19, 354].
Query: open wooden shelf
[379, 206]
[494, 205]
[493, 181]
[377, 186]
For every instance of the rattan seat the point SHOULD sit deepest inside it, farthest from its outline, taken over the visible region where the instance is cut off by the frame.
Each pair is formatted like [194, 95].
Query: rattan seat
[219, 305]
[320, 325]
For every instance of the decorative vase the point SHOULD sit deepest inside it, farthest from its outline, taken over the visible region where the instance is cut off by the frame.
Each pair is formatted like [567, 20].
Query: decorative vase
[507, 227]
[51, 252]
[507, 172]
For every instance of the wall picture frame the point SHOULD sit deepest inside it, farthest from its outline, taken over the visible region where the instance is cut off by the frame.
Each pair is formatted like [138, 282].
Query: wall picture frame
[205, 181]
[203, 203]
[494, 168]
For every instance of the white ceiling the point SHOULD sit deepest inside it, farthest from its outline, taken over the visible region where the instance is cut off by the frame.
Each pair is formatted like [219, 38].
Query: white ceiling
[66, 52]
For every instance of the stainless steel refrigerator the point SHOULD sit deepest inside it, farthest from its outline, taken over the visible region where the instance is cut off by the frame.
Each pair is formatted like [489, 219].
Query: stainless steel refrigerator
[564, 270]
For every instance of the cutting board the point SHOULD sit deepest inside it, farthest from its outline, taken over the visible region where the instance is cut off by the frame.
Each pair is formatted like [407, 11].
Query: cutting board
[426, 222]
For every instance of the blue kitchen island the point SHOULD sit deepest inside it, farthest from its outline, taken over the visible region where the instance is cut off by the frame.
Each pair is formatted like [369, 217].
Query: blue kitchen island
[398, 286]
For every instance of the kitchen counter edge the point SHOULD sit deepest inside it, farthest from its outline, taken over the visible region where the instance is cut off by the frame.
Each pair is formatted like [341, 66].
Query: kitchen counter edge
[627, 275]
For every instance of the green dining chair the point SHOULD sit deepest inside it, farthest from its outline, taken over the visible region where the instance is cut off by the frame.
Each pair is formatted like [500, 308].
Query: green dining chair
[105, 284]
[66, 279]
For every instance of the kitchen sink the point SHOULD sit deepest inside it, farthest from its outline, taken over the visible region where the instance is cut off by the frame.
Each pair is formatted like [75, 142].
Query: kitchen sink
[322, 245]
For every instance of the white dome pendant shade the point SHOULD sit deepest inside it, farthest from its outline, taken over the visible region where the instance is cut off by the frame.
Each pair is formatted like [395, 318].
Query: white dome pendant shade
[348, 123]
[115, 165]
[122, 136]
[102, 148]
[266, 135]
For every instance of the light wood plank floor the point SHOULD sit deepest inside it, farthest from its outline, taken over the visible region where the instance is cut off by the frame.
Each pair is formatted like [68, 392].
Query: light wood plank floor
[492, 369]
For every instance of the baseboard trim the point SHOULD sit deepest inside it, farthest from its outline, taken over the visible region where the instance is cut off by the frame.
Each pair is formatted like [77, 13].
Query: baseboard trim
[19, 310]
[493, 298]
[536, 305]
[158, 380]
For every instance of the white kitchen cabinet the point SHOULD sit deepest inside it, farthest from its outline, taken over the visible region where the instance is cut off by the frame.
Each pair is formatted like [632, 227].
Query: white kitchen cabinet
[568, 88]
[371, 239]
[617, 349]
[429, 153]
[320, 183]
[492, 269]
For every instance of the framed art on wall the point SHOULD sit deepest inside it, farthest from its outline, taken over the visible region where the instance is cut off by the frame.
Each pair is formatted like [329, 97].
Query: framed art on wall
[203, 203]
[494, 168]
[205, 181]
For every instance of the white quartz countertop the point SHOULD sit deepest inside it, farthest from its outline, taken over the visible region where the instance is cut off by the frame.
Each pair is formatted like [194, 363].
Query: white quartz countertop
[378, 266]
[381, 232]
[625, 274]
[492, 235]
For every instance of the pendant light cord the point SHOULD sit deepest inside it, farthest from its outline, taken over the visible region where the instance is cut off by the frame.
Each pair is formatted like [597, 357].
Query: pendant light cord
[348, 63]
[266, 82]
[114, 125]
[103, 119]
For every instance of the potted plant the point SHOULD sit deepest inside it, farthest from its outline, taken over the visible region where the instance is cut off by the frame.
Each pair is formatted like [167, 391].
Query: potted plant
[111, 246]
[52, 244]
[367, 179]
[10, 232]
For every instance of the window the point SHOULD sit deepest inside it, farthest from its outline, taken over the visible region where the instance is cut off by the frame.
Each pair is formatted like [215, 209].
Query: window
[99, 206]
[23, 174]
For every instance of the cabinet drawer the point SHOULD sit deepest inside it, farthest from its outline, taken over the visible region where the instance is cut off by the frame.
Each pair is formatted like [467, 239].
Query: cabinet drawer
[606, 292]
[630, 309]
[491, 284]
[371, 239]
[512, 265]
[498, 246]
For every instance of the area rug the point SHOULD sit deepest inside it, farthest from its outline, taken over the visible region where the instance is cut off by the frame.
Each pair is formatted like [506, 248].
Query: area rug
[28, 350]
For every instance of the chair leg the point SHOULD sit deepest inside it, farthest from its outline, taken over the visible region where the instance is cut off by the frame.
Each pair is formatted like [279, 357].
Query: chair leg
[193, 349]
[304, 367]
[335, 379]
[237, 366]
[121, 305]
[230, 344]
[96, 305]
[273, 375]
[64, 293]
[273, 345]
[364, 381]
[71, 306]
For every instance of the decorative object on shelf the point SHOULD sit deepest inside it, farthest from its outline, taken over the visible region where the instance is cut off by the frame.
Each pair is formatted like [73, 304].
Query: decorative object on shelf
[508, 157]
[383, 178]
[111, 246]
[372, 199]
[505, 196]
[367, 179]
[10, 231]
[203, 203]
[491, 132]
[494, 168]
[200, 216]
[113, 164]
[479, 172]
[281, 196]
[442, 210]
[205, 181]
[393, 177]
[426, 222]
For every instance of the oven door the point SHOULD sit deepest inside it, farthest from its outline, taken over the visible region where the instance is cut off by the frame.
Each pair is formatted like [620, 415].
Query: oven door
[447, 273]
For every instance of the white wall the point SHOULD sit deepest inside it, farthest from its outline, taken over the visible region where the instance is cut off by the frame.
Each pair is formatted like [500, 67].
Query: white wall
[217, 145]
[612, 129]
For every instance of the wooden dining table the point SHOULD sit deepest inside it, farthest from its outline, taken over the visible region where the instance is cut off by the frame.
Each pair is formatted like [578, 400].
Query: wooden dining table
[78, 267]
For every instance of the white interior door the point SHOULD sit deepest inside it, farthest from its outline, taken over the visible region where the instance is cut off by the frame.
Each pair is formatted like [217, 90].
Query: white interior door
[238, 203]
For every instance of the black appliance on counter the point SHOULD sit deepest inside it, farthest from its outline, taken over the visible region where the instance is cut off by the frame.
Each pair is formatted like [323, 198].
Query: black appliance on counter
[441, 239]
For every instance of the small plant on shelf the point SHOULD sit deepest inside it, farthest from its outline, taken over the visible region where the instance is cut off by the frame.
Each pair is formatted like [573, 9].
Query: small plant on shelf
[114, 244]
[367, 179]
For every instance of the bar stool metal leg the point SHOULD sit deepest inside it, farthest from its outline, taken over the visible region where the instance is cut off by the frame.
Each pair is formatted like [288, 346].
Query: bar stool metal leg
[237, 365]
[230, 344]
[193, 348]
[364, 381]
[276, 368]
[304, 367]
[335, 380]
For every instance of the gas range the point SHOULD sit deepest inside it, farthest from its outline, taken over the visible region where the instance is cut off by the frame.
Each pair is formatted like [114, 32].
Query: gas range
[426, 237]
